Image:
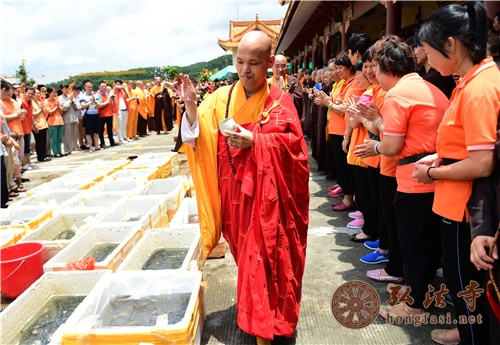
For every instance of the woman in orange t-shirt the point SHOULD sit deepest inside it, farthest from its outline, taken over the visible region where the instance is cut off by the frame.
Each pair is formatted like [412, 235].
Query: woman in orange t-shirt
[413, 109]
[337, 140]
[53, 115]
[465, 152]
[40, 128]
[369, 223]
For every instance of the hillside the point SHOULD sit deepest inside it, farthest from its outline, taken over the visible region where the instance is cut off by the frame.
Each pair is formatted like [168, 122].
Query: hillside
[149, 73]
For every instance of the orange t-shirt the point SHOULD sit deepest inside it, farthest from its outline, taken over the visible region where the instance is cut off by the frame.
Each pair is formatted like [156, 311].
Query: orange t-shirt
[39, 119]
[388, 165]
[56, 118]
[469, 124]
[413, 109]
[358, 136]
[9, 107]
[27, 123]
[336, 124]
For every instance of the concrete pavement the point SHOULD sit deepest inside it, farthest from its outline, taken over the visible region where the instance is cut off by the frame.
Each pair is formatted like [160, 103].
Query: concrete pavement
[332, 260]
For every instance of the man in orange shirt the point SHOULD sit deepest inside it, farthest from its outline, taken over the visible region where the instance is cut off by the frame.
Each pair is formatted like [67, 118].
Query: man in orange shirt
[27, 99]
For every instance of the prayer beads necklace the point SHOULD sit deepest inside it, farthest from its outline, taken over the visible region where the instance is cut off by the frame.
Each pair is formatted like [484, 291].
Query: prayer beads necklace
[229, 157]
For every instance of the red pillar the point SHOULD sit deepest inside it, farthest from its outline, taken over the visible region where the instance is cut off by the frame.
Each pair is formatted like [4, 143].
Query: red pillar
[492, 7]
[344, 37]
[393, 24]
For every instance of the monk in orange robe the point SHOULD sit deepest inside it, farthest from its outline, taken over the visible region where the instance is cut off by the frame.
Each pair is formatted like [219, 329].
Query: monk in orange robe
[252, 183]
[133, 113]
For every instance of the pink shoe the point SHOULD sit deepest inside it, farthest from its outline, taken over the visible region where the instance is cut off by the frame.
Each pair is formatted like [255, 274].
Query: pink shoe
[336, 192]
[356, 223]
[333, 187]
[343, 207]
[355, 215]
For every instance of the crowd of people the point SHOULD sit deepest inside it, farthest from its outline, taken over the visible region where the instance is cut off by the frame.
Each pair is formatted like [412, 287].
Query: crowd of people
[410, 127]
[54, 123]
[406, 130]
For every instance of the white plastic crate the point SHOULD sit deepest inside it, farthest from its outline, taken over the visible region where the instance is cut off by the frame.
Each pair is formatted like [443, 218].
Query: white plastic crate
[29, 217]
[76, 220]
[84, 326]
[125, 187]
[54, 198]
[174, 188]
[171, 156]
[147, 210]
[124, 235]
[95, 175]
[187, 214]
[74, 184]
[171, 168]
[113, 164]
[147, 174]
[163, 166]
[100, 202]
[9, 237]
[163, 239]
[18, 314]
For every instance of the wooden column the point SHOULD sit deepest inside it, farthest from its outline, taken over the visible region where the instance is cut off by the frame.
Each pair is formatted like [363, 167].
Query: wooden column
[394, 12]
[344, 36]
[326, 50]
[492, 7]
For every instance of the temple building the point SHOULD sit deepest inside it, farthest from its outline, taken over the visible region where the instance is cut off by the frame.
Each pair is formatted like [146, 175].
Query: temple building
[239, 28]
[315, 31]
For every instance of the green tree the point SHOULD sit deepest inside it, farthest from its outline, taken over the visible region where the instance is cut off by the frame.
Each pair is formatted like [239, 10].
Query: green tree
[171, 72]
[22, 74]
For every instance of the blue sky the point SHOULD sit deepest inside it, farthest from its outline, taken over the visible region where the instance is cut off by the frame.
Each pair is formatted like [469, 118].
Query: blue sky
[59, 38]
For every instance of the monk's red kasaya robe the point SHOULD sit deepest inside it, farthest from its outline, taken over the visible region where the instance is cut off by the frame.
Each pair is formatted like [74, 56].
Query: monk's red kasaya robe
[264, 206]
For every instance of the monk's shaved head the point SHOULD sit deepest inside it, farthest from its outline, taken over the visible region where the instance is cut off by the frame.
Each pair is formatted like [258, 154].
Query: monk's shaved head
[258, 40]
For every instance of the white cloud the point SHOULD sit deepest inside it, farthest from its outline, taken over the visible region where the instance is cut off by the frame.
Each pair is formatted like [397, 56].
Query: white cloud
[85, 36]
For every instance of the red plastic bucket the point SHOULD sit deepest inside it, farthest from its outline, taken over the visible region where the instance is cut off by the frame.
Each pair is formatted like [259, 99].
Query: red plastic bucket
[20, 266]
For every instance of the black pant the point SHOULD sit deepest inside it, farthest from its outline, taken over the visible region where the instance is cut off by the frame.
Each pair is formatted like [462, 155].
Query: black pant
[108, 121]
[151, 123]
[3, 183]
[178, 142]
[41, 144]
[374, 185]
[142, 125]
[164, 113]
[459, 272]
[344, 175]
[418, 229]
[388, 187]
[364, 200]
